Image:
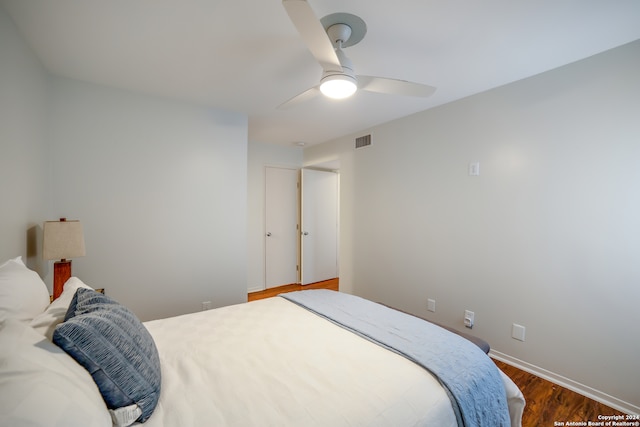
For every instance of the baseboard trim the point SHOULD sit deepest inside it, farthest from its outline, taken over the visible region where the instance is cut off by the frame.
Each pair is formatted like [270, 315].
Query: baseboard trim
[255, 289]
[568, 383]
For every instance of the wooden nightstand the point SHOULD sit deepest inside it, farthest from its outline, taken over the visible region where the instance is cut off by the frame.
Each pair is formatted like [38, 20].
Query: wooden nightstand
[101, 290]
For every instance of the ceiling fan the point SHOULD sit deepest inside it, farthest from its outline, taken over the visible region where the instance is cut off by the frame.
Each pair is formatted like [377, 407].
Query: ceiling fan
[325, 39]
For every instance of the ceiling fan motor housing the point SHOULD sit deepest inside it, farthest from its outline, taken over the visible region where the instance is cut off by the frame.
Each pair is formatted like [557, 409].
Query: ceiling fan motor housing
[339, 34]
[339, 84]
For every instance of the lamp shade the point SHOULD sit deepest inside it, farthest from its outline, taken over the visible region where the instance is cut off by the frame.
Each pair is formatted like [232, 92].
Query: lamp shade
[62, 240]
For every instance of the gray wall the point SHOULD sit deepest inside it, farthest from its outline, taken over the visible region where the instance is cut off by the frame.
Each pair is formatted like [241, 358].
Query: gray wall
[160, 186]
[548, 236]
[161, 190]
[23, 149]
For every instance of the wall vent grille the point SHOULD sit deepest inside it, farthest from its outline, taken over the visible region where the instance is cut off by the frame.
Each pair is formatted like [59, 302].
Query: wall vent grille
[363, 141]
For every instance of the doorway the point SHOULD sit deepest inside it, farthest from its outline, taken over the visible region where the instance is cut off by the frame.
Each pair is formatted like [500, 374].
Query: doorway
[301, 226]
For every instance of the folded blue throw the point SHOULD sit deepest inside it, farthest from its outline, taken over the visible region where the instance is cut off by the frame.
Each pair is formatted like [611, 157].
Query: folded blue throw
[470, 378]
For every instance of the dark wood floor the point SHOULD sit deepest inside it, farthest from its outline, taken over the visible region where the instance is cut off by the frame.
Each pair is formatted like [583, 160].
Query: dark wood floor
[548, 404]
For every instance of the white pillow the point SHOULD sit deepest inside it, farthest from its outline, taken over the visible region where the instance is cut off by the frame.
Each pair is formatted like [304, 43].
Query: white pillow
[41, 385]
[17, 259]
[46, 322]
[23, 294]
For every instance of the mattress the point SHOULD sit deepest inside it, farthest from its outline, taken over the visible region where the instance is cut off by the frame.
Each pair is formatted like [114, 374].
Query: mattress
[273, 363]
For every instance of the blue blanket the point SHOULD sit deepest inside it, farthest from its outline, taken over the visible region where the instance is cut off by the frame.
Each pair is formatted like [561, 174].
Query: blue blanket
[470, 378]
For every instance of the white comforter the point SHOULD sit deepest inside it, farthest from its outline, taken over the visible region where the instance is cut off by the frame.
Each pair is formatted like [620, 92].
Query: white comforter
[273, 363]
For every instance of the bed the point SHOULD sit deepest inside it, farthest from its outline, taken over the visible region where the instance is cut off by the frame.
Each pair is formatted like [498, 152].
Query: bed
[280, 361]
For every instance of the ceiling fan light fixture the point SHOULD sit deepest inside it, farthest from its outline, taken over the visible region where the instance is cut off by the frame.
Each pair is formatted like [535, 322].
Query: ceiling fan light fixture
[338, 86]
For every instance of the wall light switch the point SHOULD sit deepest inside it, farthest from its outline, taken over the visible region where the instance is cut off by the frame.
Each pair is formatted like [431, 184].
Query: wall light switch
[431, 305]
[517, 332]
[474, 169]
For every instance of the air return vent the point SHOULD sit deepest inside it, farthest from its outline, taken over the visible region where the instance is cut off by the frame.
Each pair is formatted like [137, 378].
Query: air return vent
[363, 141]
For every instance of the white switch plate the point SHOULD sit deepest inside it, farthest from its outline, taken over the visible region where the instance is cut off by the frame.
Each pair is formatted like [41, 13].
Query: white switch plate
[517, 332]
[474, 169]
[431, 305]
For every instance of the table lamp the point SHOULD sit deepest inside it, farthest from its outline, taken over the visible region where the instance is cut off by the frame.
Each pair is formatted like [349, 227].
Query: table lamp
[62, 240]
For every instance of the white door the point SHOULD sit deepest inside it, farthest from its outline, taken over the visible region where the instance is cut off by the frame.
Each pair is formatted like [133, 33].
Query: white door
[319, 226]
[281, 227]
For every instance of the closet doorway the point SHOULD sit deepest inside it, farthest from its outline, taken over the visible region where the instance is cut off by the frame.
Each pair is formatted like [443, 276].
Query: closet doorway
[301, 226]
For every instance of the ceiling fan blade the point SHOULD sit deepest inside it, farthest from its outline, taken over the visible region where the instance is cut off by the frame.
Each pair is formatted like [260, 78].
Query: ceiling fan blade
[313, 33]
[300, 98]
[394, 87]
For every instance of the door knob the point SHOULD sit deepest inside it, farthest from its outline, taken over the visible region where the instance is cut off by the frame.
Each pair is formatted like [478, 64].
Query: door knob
[305, 233]
[268, 234]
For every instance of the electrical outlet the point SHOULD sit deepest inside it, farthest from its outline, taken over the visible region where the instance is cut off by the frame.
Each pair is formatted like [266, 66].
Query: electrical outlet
[431, 305]
[206, 305]
[469, 317]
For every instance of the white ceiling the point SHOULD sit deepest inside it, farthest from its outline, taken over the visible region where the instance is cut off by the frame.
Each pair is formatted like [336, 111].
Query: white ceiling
[246, 56]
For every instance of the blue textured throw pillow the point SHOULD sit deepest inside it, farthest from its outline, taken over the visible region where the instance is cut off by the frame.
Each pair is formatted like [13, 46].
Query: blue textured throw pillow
[115, 347]
[89, 301]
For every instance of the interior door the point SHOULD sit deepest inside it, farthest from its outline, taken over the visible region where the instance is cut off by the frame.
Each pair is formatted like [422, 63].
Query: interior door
[281, 227]
[319, 226]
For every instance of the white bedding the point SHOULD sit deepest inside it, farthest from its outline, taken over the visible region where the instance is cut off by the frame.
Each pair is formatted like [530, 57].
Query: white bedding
[273, 363]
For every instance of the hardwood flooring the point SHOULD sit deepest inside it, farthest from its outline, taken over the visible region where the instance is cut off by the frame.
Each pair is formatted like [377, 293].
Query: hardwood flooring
[332, 284]
[548, 404]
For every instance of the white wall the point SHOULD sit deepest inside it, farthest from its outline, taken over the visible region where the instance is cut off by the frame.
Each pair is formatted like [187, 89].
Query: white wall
[161, 190]
[260, 156]
[548, 236]
[23, 155]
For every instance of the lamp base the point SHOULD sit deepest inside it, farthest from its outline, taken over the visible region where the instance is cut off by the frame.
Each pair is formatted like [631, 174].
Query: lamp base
[61, 273]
